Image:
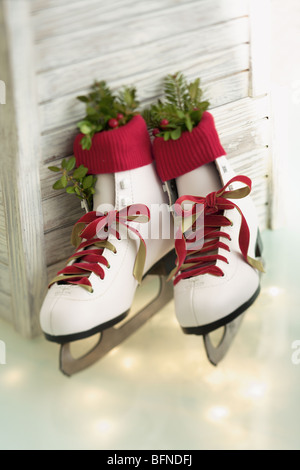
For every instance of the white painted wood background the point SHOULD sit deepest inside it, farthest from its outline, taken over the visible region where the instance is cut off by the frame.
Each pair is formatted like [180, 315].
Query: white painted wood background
[54, 50]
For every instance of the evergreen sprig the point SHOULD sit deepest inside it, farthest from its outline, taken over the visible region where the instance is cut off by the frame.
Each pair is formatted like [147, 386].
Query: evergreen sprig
[105, 110]
[180, 110]
[75, 181]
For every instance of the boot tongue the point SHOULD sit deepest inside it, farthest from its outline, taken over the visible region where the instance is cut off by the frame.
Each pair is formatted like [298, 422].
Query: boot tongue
[104, 197]
[199, 182]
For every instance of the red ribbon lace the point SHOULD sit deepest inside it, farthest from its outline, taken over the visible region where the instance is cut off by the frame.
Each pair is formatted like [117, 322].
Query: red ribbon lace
[95, 229]
[192, 263]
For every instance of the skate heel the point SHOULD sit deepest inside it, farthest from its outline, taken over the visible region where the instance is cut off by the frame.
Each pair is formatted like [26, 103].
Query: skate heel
[259, 245]
[259, 250]
[165, 265]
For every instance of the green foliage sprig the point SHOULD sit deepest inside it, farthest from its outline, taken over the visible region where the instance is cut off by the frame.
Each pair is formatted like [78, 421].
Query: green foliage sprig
[105, 110]
[180, 110]
[75, 181]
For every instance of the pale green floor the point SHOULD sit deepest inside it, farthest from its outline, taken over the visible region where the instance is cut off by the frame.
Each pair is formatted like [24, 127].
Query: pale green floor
[158, 390]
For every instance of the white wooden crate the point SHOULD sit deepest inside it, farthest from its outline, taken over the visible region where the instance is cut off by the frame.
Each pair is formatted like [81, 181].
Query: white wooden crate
[52, 50]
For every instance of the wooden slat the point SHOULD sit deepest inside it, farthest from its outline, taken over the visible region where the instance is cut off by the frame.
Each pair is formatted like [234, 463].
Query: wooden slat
[6, 306]
[58, 144]
[260, 47]
[63, 18]
[57, 245]
[237, 115]
[253, 136]
[38, 5]
[67, 110]
[254, 164]
[90, 41]
[5, 284]
[3, 236]
[60, 211]
[193, 46]
[20, 175]
[54, 268]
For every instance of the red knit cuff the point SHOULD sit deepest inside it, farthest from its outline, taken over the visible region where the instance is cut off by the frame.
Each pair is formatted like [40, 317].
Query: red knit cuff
[193, 149]
[121, 149]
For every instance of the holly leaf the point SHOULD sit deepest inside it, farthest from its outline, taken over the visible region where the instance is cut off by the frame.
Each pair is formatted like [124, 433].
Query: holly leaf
[88, 181]
[84, 99]
[188, 123]
[70, 190]
[86, 142]
[80, 172]
[180, 114]
[53, 168]
[58, 185]
[176, 134]
[71, 164]
[91, 111]
[64, 181]
[85, 127]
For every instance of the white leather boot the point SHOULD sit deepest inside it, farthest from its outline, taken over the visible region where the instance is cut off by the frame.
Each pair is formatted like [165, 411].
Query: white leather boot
[117, 246]
[215, 283]
[218, 282]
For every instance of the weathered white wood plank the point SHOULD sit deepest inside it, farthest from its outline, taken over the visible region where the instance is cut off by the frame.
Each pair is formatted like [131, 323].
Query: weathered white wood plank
[58, 144]
[280, 149]
[234, 116]
[64, 18]
[4, 268]
[37, 5]
[20, 174]
[54, 268]
[253, 136]
[193, 46]
[5, 283]
[58, 245]
[57, 8]
[66, 110]
[91, 41]
[6, 306]
[3, 247]
[260, 50]
[3, 235]
[255, 163]
[62, 210]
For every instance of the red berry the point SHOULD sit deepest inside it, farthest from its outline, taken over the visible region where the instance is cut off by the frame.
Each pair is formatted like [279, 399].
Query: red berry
[155, 132]
[164, 122]
[113, 123]
[120, 116]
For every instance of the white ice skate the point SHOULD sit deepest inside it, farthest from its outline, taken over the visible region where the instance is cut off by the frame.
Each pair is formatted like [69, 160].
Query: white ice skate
[115, 250]
[215, 284]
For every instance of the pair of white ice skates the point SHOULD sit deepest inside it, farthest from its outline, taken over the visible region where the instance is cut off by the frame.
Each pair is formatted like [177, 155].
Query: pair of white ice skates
[131, 234]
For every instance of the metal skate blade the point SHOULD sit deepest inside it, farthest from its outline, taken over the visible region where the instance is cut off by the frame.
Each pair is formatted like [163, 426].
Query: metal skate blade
[216, 353]
[113, 336]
